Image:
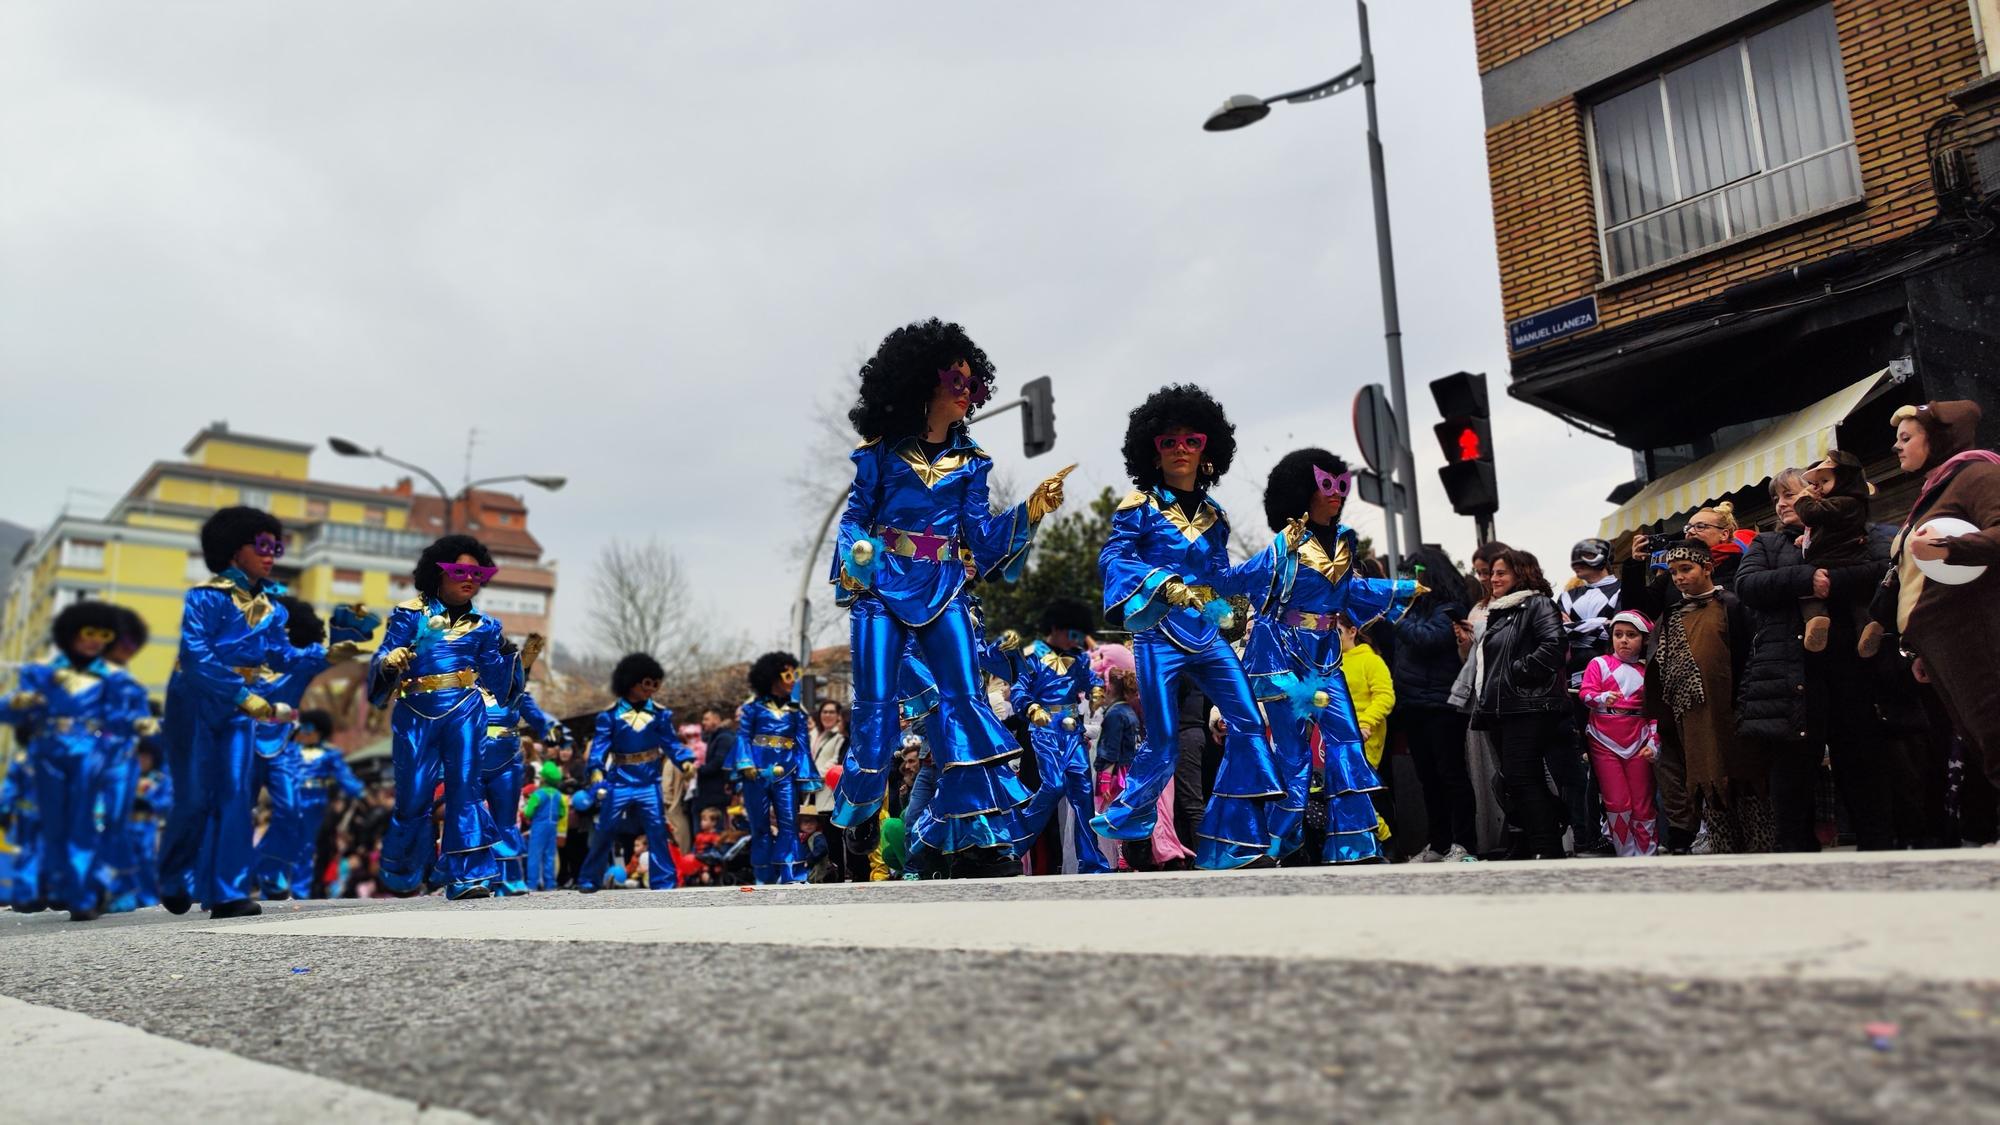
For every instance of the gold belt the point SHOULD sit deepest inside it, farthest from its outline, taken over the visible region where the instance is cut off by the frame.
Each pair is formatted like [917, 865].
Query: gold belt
[918, 544]
[772, 741]
[443, 681]
[1316, 622]
[250, 675]
[67, 723]
[499, 731]
[637, 758]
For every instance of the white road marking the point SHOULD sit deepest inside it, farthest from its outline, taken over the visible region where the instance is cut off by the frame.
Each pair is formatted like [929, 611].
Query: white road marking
[1917, 935]
[62, 1066]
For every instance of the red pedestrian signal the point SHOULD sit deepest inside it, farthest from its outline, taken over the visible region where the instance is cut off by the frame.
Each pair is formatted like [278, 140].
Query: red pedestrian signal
[1465, 437]
[1468, 444]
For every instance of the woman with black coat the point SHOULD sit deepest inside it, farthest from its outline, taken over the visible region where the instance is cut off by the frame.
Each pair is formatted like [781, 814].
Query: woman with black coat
[1425, 663]
[1797, 701]
[1522, 689]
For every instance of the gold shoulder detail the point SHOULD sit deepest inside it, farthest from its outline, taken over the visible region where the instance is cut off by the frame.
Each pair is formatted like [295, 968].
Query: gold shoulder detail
[217, 583]
[1133, 499]
[869, 442]
[975, 451]
[417, 604]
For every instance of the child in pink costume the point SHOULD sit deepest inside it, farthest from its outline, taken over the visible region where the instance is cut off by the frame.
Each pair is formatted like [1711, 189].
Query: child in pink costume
[1623, 741]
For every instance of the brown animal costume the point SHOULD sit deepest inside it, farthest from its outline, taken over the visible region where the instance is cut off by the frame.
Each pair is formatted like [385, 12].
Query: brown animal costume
[1955, 630]
[1835, 513]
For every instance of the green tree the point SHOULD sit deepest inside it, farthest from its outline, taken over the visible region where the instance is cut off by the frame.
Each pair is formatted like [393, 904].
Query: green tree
[1062, 565]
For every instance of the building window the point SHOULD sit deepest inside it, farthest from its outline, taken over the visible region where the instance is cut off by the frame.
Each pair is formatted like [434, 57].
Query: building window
[197, 567]
[83, 554]
[316, 509]
[1986, 22]
[1738, 141]
[346, 583]
[401, 589]
[374, 517]
[255, 498]
[503, 601]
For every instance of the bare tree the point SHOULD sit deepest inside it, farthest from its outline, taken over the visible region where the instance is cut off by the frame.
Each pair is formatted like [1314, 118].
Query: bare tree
[639, 602]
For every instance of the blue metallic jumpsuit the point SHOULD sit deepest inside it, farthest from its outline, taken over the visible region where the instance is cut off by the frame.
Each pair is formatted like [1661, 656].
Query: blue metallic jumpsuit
[24, 830]
[546, 814]
[119, 778]
[278, 769]
[500, 776]
[922, 509]
[1294, 655]
[440, 728]
[772, 735]
[153, 800]
[230, 631]
[322, 769]
[1058, 682]
[1153, 541]
[628, 748]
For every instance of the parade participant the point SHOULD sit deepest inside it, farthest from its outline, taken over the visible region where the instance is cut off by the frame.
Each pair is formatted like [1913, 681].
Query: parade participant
[1293, 658]
[230, 630]
[1167, 574]
[1054, 681]
[919, 497]
[546, 811]
[436, 654]
[1623, 741]
[1691, 682]
[153, 799]
[772, 746]
[76, 703]
[280, 766]
[501, 763]
[24, 828]
[118, 774]
[322, 768]
[632, 737]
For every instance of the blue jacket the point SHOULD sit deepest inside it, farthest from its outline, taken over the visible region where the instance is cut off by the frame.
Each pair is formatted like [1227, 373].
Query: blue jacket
[443, 647]
[1118, 738]
[1426, 660]
[630, 743]
[774, 732]
[322, 768]
[1322, 583]
[1152, 543]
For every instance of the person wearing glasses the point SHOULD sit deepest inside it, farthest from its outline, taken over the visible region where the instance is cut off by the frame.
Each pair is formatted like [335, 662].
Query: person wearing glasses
[919, 499]
[436, 655]
[829, 747]
[1167, 578]
[232, 629]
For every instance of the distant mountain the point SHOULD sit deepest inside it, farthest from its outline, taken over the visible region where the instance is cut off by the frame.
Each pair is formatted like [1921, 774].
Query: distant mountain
[12, 538]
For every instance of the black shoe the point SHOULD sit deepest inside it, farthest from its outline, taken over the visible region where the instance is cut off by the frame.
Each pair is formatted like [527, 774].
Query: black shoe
[983, 863]
[176, 904]
[277, 895]
[585, 890]
[861, 839]
[88, 914]
[470, 893]
[241, 908]
[35, 907]
[1261, 863]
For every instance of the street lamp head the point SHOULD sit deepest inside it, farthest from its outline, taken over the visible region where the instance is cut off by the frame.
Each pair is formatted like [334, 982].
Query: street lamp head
[553, 484]
[1241, 110]
[345, 448]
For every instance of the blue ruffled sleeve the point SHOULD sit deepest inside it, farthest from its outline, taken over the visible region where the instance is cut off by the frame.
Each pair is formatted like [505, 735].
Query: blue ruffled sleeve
[402, 633]
[1131, 585]
[670, 739]
[864, 497]
[1365, 599]
[741, 752]
[600, 739]
[202, 621]
[999, 542]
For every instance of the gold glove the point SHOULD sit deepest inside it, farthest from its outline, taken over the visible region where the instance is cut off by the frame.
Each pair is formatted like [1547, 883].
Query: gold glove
[146, 727]
[397, 659]
[341, 651]
[1009, 641]
[1047, 496]
[257, 707]
[1038, 715]
[850, 585]
[689, 769]
[531, 650]
[1295, 536]
[1181, 594]
[748, 772]
[1421, 591]
[23, 700]
[1097, 696]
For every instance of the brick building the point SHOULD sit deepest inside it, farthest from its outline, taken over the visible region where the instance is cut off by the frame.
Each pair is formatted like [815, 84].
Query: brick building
[1734, 232]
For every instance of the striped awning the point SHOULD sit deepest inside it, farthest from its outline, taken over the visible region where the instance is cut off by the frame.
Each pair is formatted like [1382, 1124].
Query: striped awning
[1794, 441]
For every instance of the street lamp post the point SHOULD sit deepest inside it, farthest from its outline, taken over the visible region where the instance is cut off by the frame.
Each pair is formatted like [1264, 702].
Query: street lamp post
[351, 449]
[1247, 109]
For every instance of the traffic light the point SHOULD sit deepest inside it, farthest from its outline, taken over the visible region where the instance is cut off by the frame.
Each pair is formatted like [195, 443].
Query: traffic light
[1466, 437]
[1038, 416]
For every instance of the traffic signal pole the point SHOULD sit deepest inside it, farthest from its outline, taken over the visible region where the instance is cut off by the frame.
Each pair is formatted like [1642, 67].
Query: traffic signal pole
[1392, 321]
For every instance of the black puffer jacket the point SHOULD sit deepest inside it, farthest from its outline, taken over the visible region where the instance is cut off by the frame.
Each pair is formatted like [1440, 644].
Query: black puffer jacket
[1524, 652]
[1426, 660]
[1773, 577]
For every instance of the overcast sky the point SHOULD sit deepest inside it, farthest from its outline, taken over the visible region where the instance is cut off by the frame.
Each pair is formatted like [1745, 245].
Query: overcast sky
[633, 242]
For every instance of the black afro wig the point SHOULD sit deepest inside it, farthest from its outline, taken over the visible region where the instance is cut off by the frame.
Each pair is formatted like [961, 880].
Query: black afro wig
[428, 577]
[898, 381]
[77, 617]
[132, 628]
[232, 529]
[764, 674]
[1182, 404]
[302, 624]
[631, 669]
[1068, 613]
[318, 720]
[1430, 565]
[1292, 486]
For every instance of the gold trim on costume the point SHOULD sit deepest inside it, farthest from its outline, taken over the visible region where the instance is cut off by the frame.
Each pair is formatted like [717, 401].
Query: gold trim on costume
[1205, 518]
[637, 718]
[418, 604]
[74, 681]
[1132, 500]
[1313, 554]
[443, 681]
[637, 757]
[911, 453]
[773, 742]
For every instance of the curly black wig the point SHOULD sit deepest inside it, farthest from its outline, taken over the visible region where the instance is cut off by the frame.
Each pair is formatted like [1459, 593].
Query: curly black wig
[1430, 565]
[302, 624]
[428, 577]
[232, 529]
[764, 674]
[77, 617]
[1290, 491]
[318, 720]
[132, 628]
[631, 669]
[898, 381]
[1182, 404]
[1068, 613]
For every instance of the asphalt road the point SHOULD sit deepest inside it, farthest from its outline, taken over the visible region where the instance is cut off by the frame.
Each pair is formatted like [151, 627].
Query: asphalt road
[1342, 1004]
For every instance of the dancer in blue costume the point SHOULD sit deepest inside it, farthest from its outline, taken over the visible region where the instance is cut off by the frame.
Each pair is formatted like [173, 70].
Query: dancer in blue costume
[279, 769]
[1167, 574]
[1293, 657]
[919, 498]
[502, 766]
[152, 801]
[23, 821]
[231, 629]
[773, 745]
[1054, 681]
[78, 705]
[322, 769]
[634, 739]
[436, 655]
[118, 853]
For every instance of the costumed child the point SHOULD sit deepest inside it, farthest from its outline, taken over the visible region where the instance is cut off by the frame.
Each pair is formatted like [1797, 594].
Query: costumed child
[279, 766]
[1373, 690]
[919, 499]
[1167, 575]
[632, 738]
[1053, 683]
[545, 811]
[1294, 654]
[152, 800]
[119, 774]
[501, 763]
[23, 829]
[1835, 512]
[773, 746]
[1623, 741]
[436, 654]
[322, 769]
